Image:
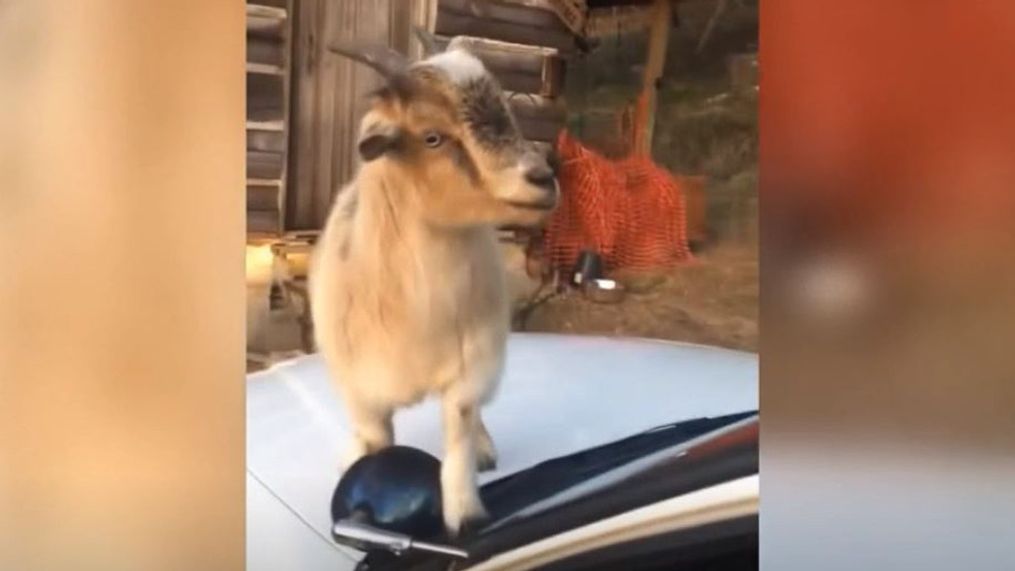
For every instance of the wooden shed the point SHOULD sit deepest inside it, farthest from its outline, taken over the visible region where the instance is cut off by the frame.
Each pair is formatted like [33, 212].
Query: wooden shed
[304, 103]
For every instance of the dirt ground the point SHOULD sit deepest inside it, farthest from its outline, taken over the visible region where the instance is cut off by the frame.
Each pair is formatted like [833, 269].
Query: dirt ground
[712, 300]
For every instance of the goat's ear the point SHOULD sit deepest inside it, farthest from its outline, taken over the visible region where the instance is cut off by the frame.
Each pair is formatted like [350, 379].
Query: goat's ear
[377, 140]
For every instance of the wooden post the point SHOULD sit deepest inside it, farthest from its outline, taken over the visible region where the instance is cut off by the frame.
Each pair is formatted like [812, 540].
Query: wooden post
[659, 35]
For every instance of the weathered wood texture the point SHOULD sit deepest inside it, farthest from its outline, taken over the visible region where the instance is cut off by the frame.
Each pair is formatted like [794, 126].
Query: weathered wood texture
[260, 222]
[330, 91]
[659, 35]
[515, 23]
[595, 4]
[273, 3]
[267, 79]
[539, 118]
[265, 97]
[262, 164]
[573, 13]
[262, 50]
[266, 141]
[262, 197]
[266, 27]
[606, 22]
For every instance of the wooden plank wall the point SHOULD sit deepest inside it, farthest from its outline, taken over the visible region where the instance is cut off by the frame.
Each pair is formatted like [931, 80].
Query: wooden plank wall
[329, 94]
[267, 73]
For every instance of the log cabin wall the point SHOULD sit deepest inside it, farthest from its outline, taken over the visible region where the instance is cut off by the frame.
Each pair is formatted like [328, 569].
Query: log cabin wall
[268, 70]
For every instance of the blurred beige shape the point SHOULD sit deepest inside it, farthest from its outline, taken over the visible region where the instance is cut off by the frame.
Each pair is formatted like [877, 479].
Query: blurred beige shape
[121, 304]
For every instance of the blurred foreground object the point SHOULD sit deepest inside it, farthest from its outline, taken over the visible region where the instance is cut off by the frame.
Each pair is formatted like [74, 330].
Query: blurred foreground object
[889, 288]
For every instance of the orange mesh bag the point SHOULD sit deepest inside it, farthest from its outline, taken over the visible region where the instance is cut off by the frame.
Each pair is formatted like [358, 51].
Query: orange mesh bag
[632, 212]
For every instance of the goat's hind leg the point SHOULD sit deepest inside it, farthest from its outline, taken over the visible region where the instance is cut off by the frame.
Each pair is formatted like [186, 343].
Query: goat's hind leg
[459, 486]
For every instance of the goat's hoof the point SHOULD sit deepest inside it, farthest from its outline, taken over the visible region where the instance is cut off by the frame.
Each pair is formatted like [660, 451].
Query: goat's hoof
[464, 518]
[486, 463]
[471, 527]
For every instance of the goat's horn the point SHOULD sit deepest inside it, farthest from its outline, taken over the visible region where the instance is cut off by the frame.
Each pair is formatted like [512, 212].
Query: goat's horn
[386, 61]
[427, 40]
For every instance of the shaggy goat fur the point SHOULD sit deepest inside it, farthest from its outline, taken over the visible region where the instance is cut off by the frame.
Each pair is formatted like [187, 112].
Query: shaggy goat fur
[407, 288]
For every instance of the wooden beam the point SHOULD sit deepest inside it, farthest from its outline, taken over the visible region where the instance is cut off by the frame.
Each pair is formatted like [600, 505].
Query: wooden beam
[659, 36]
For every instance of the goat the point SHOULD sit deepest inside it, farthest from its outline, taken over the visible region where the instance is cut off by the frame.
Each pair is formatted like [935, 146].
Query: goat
[406, 284]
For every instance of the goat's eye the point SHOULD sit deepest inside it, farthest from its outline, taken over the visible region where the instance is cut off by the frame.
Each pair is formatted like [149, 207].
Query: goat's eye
[432, 139]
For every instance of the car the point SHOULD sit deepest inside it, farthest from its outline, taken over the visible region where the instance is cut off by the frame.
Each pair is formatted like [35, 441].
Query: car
[614, 453]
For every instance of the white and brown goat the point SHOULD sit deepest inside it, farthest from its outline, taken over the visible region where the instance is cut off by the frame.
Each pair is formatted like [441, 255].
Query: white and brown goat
[407, 287]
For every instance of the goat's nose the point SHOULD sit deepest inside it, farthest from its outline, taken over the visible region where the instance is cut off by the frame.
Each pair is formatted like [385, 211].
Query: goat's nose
[541, 176]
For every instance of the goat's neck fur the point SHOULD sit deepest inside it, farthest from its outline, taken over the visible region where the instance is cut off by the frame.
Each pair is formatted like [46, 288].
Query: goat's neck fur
[427, 303]
[405, 247]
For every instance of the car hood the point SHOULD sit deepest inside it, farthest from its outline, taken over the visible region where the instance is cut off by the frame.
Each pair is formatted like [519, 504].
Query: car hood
[559, 395]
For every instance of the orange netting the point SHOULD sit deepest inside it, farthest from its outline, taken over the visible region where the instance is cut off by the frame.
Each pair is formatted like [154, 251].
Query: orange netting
[631, 211]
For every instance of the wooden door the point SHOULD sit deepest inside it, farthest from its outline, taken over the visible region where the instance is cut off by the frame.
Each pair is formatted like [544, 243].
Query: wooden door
[329, 95]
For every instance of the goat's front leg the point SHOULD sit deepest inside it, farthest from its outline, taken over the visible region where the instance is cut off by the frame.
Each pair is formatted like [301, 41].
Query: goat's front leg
[372, 430]
[459, 488]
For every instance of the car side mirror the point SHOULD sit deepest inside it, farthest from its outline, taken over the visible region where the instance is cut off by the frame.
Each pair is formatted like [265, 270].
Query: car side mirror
[389, 501]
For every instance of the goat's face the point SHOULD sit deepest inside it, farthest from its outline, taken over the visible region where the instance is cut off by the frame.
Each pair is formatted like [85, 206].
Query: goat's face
[445, 123]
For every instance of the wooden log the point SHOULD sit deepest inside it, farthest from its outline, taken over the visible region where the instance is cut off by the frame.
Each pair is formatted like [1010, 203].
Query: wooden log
[264, 165]
[268, 141]
[535, 14]
[266, 51]
[505, 56]
[572, 13]
[600, 4]
[264, 222]
[266, 27]
[283, 4]
[658, 40]
[520, 82]
[530, 30]
[262, 197]
[530, 106]
[265, 97]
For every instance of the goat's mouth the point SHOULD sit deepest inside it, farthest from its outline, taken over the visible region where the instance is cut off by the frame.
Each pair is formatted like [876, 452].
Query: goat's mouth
[538, 205]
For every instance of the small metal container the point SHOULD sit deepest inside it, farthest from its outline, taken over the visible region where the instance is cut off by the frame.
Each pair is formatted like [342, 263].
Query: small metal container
[603, 291]
[589, 266]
